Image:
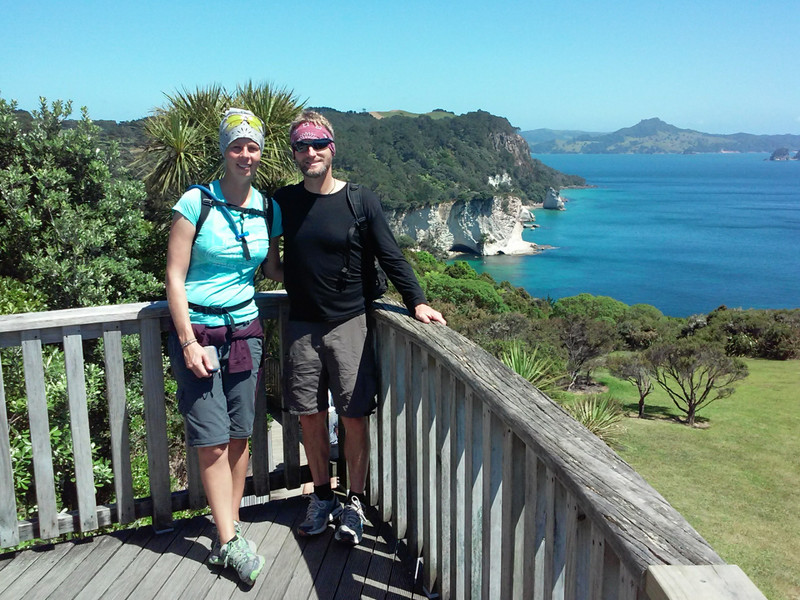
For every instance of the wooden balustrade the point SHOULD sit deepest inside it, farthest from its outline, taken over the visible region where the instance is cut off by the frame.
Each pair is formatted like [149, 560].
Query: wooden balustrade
[496, 489]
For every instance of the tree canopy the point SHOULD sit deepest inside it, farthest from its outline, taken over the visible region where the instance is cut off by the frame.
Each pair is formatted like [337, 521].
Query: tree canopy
[72, 226]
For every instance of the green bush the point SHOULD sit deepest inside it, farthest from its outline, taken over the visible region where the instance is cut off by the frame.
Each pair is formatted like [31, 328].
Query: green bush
[540, 370]
[481, 294]
[602, 415]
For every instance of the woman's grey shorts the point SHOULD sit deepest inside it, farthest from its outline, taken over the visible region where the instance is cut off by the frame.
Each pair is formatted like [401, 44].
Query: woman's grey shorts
[337, 356]
[219, 408]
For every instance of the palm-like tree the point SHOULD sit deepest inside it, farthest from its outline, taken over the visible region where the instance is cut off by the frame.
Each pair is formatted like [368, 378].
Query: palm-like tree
[184, 148]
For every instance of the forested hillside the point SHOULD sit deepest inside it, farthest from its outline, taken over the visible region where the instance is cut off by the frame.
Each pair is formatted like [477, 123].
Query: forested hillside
[414, 161]
[410, 160]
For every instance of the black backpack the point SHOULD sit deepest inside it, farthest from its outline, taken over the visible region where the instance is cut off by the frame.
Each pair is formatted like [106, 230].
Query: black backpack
[373, 277]
[209, 200]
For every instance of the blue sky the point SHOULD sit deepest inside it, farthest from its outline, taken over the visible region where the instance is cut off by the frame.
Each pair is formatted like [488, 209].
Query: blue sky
[718, 66]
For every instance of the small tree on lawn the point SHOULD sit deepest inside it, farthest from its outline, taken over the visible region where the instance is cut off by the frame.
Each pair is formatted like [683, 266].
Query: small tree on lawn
[695, 375]
[585, 340]
[635, 369]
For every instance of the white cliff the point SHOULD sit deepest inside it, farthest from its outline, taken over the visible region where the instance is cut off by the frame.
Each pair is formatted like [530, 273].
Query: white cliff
[483, 227]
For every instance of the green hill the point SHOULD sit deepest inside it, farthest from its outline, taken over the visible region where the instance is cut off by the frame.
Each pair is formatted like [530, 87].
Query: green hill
[412, 162]
[654, 136]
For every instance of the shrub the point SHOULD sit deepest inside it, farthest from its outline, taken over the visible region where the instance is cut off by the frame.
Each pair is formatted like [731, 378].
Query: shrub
[539, 370]
[602, 415]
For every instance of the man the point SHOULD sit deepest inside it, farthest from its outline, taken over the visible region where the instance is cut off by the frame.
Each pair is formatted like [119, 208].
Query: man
[328, 342]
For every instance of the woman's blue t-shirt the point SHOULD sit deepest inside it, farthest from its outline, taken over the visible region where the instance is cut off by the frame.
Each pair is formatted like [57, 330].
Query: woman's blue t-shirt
[219, 275]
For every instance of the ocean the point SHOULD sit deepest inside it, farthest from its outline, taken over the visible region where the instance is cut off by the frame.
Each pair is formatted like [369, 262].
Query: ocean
[684, 233]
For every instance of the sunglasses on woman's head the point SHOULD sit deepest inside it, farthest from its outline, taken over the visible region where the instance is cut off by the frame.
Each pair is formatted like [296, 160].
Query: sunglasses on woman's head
[236, 120]
[303, 145]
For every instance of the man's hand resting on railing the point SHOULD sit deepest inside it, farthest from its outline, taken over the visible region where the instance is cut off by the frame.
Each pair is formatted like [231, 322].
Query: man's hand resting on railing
[426, 314]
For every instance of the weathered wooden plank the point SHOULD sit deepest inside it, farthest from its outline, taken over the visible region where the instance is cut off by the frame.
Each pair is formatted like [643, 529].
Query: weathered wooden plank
[79, 565]
[431, 507]
[9, 531]
[146, 567]
[596, 563]
[636, 521]
[291, 423]
[559, 540]
[40, 435]
[578, 550]
[192, 570]
[55, 319]
[118, 422]
[197, 495]
[399, 452]
[700, 582]
[493, 538]
[458, 491]
[259, 459]
[473, 505]
[70, 562]
[444, 475]
[155, 416]
[513, 547]
[535, 525]
[25, 584]
[386, 344]
[414, 533]
[628, 586]
[79, 426]
[111, 569]
[184, 554]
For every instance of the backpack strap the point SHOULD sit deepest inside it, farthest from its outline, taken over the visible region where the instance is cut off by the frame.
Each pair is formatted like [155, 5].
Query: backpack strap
[205, 208]
[208, 199]
[353, 194]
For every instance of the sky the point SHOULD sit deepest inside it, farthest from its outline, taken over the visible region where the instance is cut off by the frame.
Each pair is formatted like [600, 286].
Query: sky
[716, 66]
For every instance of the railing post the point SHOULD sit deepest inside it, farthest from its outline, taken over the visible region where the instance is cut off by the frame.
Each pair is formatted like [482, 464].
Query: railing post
[431, 507]
[515, 503]
[291, 423]
[260, 442]
[118, 423]
[156, 424]
[40, 434]
[79, 425]
[473, 507]
[9, 530]
[400, 451]
[385, 429]
[444, 477]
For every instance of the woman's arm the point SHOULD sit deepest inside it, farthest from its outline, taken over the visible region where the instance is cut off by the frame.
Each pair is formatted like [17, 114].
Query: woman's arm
[272, 267]
[179, 252]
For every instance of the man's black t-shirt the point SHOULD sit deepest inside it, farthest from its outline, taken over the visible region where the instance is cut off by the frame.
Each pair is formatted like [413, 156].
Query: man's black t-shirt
[315, 230]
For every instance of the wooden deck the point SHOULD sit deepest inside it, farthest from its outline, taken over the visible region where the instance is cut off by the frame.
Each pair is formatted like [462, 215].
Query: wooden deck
[140, 564]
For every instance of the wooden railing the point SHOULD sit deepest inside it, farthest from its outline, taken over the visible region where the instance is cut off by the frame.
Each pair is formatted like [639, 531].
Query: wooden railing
[498, 491]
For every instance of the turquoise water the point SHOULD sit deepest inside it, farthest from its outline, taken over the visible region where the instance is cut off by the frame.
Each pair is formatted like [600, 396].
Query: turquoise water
[683, 233]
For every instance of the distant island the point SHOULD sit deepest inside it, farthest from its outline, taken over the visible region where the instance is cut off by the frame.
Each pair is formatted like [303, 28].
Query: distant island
[653, 136]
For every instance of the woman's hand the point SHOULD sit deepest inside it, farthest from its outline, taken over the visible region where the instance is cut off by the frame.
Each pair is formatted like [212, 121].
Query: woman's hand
[197, 361]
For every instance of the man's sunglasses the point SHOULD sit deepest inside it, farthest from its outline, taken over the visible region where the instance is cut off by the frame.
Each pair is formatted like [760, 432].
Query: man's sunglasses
[317, 145]
[236, 120]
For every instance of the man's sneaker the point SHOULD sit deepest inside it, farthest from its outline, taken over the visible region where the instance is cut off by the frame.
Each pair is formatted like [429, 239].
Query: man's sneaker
[351, 523]
[214, 558]
[319, 514]
[237, 554]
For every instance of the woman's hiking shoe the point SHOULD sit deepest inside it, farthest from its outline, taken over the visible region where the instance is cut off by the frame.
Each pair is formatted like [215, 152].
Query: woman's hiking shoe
[351, 523]
[237, 554]
[214, 558]
[319, 514]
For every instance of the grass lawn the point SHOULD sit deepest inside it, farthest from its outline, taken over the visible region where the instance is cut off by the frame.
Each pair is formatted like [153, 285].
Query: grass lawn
[736, 475]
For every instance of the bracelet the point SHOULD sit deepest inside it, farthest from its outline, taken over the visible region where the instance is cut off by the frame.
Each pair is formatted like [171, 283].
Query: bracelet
[188, 342]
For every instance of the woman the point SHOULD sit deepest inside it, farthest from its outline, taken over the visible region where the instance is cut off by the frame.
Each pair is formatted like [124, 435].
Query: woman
[215, 347]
